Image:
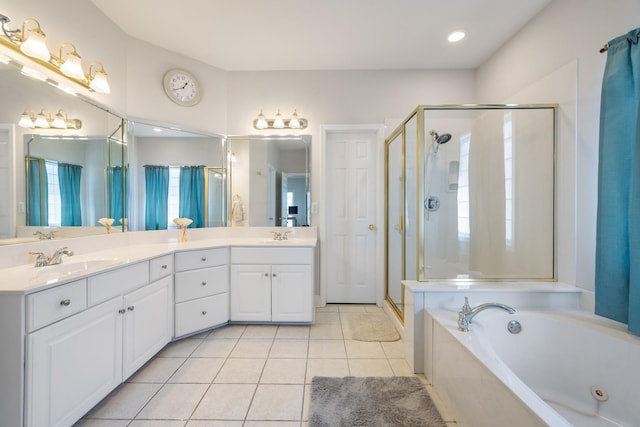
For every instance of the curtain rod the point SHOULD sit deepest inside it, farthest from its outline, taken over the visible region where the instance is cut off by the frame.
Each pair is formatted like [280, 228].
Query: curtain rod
[604, 48]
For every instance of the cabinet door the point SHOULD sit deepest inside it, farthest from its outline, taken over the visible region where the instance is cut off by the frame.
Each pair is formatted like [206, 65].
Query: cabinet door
[73, 364]
[291, 293]
[250, 293]
[148, 323]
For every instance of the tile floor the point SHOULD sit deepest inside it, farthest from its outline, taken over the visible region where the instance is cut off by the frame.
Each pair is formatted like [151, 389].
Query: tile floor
[254, 375]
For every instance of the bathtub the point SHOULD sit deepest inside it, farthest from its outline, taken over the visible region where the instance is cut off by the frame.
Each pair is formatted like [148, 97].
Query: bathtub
[565, 368]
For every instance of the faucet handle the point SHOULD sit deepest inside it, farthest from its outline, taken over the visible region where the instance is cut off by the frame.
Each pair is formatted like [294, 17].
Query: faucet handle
[466, 307]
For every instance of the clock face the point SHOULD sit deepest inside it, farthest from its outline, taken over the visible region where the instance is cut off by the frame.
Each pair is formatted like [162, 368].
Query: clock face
[181, 87]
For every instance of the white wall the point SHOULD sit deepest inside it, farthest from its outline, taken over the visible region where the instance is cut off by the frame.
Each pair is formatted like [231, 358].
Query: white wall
[565, 32]
[339, 97]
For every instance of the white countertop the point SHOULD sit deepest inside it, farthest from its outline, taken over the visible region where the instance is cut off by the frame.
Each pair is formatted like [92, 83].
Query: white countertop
[125, 248]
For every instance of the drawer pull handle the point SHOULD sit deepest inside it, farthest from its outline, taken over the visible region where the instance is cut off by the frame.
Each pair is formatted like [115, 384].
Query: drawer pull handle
[204, 283]
[203, 259]
[122, 311]
[204, 312]
[164, 266]
[131, 308]
[65, 302]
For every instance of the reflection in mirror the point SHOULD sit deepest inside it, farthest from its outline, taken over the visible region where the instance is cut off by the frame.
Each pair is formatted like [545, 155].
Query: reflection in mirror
[74, 180]
[87, 145]
[176, 174]
[270, 181]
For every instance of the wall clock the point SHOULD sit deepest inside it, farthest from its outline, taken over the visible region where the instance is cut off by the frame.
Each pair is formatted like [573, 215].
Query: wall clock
[182, 88]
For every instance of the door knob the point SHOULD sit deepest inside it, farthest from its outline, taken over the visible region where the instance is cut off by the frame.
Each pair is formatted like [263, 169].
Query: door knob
[372, 227]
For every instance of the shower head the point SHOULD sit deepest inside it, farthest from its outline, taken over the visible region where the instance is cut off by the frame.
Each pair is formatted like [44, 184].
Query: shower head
[440, 139]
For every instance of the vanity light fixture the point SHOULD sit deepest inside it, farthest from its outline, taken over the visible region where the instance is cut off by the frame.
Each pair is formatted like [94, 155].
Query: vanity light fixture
[43, 120]
[280, 122]
[31, 42]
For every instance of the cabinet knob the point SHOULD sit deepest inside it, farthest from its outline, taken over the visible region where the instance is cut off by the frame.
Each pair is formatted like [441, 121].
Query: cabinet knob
[65, 302]
[204, 312]
[266, 274]
[122, 311]
[204, 283]
[203, 259]
[131, 308]
[274, 274]
[164, 266]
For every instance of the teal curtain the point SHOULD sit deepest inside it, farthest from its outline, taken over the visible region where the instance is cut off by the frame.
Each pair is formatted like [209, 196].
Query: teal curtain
[618, 224]
[38, 212]
[192, 195]
[157, 197]
[69, 178]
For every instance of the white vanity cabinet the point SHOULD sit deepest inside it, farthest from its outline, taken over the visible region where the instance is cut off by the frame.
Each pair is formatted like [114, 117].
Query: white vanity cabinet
[201, 290]
[72, 363]
[272, 284]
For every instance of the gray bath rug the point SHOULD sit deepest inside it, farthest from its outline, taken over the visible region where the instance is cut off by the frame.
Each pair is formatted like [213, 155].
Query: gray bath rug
[371, 402]
[374, 326]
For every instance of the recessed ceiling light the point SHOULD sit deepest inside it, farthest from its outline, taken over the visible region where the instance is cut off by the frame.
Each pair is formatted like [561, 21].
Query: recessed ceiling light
[456, 36]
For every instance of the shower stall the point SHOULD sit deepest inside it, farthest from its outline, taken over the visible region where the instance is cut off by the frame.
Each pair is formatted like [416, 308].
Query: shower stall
[470, 196]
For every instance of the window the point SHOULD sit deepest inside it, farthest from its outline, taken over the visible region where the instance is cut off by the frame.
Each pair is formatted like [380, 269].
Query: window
[173, 204]
[464, 222]
[54, 203]
[507, 131]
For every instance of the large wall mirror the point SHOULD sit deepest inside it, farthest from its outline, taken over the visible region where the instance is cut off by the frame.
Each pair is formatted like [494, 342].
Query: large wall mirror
[55, 179]
[176, 173]
[270, 181]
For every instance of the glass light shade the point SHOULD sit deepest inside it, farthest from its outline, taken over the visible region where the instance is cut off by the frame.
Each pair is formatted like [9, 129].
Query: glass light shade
[59, 122]
[294, 123]
[99, 82]
[25, 121]
[35, 45]
[261, 123]
[41, 121]
[278, 123]
[72, 67]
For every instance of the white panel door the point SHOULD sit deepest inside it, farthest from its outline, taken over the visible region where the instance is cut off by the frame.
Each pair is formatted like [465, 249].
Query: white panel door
[351, 217]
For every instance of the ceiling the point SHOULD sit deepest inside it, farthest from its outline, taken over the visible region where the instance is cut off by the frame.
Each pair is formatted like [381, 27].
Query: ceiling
[252, 35]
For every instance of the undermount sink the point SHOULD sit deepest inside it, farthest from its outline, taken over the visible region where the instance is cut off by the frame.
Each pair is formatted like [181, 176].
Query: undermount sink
[69, 267]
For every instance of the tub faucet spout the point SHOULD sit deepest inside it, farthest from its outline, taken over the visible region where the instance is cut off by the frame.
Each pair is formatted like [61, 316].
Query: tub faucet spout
[466, 314]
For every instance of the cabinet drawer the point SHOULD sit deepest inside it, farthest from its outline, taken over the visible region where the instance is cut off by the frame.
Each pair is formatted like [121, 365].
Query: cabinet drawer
[200, 283]
[202, 313]
[49, 306]
[117, 282]
[160, 267]
[250, 255]
[191, 260]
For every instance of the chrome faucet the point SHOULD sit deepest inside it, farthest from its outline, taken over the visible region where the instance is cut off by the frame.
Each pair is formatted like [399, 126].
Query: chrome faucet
[56, 258]
[466, 314]
[45, 236]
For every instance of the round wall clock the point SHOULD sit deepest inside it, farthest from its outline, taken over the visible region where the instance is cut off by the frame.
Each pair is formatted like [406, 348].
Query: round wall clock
[182, 88]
